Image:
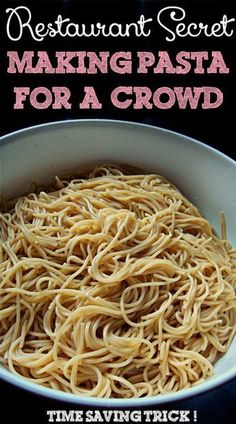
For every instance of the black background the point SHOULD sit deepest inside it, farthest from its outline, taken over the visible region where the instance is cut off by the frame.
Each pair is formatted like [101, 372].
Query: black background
[215, 127]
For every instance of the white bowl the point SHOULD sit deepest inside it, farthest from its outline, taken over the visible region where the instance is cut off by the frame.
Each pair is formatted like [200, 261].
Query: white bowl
[204, 175]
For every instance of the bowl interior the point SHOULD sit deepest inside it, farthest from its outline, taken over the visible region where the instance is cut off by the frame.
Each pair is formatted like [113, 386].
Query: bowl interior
[204, 175]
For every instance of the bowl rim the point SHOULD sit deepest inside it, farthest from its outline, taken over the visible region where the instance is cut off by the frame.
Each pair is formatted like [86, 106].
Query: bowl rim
[18, 381]
[9, 137]
[206, 386]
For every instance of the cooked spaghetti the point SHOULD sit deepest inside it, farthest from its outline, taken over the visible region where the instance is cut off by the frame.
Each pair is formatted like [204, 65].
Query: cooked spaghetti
[113, 286]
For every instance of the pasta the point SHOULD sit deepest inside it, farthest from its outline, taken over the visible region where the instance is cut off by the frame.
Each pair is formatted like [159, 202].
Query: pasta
[115, 286]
